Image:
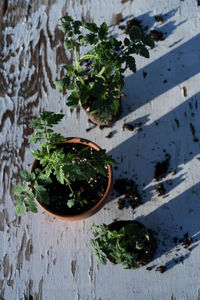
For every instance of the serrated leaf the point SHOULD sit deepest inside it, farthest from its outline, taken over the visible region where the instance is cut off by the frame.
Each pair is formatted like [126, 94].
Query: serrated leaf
[135, 33]
[130, 62]
[91, 27]
[73, 100]
[20, 208]
[27, 175]
[126, 42]
[70, 69]
[19, 189]
[103, 30]
[148, 40]
[62, 83]
[44, 179]
[144, 52]
[41, 193]
[58, 171]
[70, 203]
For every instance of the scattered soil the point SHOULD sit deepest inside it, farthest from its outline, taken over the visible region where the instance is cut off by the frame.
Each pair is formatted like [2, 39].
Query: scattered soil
[92, 191]
[159, 18]
[130, 23]
[110, 135]
[145, 255]
[161, 269]
[127, 189]
[161, 190]
[157, 35]
[128, 127]
[161, 168]
[184, 91]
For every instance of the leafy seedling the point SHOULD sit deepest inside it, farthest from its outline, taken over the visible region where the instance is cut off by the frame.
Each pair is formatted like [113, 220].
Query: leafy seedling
[119, 246]
[96, 78]
[67, 168]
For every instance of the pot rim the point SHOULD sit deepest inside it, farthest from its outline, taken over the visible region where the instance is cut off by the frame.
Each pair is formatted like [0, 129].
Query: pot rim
[100, 203]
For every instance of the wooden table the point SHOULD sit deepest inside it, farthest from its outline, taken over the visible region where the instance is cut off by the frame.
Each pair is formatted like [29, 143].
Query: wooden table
[47, 259]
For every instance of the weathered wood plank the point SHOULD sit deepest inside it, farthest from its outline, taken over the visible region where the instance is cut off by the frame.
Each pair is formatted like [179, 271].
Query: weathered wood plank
[47, 259]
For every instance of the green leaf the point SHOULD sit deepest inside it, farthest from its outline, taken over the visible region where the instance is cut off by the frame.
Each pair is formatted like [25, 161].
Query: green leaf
[66, 19]
[126, 42]
[73, 100]
[103, 31]
[130, 62]
[60, 176]
[27, 175]
[19, 189]
[51, 118]
[44, 179]
[70, 69]
[144, 52]
[135, 33]
[62, 84]
[91, 27]
[70, 203]
[148, 40]
[41, 193]
[20, 208]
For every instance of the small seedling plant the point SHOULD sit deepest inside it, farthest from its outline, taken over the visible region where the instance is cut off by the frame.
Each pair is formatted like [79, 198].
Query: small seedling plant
[67, 168]
[96, 78]
[119, 246]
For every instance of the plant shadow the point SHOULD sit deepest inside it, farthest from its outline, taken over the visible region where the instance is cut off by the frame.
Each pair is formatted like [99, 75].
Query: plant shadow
[177, 227]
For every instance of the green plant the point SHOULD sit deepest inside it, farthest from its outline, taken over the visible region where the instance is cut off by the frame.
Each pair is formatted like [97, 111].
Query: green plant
[121, 246]
[96, 78]
[53, 161]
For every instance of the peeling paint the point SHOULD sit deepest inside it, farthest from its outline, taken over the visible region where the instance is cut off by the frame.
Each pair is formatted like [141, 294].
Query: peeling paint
[29, 250]
[20, 253]
[91, 269]
[1, 221]
[6, 265]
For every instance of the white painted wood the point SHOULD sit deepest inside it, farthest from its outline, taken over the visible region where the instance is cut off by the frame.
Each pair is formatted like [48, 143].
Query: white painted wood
[50, 259]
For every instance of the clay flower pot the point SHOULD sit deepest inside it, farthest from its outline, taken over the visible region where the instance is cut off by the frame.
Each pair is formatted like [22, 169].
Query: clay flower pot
[94, 209]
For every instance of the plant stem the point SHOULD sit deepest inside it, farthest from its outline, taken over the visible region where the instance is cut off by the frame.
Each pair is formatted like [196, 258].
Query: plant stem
[69, 185]
[102, 71]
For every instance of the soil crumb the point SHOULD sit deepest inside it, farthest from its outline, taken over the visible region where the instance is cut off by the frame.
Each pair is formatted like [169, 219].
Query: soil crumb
[159, 18]
[110, 135]
[161, 269]
[184, 91]
[161, 190]
[161, 168]
[127, 189]
[130, 23]
[157, 35]
[128, 127]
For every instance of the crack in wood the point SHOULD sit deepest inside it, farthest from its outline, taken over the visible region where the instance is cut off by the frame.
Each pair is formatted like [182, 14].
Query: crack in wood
[6, 265]
[73, 267]
[20, 253]
[29, 250]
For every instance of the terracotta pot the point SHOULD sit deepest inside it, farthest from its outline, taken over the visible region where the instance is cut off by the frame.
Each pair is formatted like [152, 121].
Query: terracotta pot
[145, 256]
[94, 118]
[99, 204]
